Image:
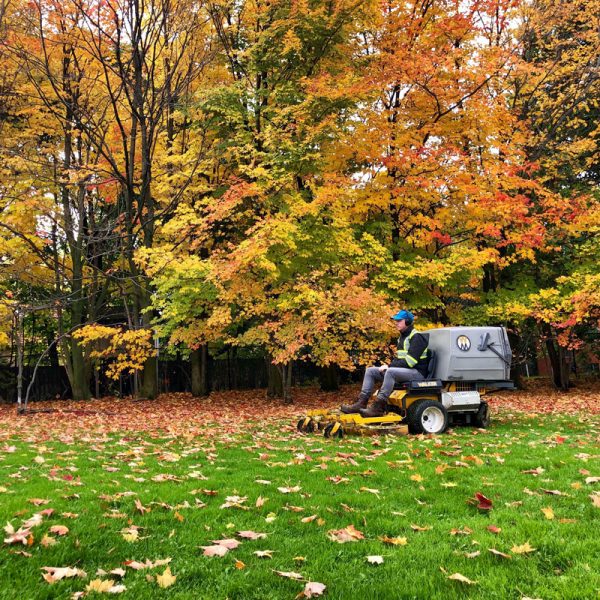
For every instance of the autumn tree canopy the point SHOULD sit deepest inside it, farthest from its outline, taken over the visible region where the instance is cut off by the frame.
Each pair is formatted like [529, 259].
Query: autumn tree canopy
[278, 176]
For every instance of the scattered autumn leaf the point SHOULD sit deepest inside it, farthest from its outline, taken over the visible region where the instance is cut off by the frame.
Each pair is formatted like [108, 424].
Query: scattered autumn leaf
[394, 541]
[166, 579]
[312, 589]
[461, 578]
[347, 534]
[522, 549]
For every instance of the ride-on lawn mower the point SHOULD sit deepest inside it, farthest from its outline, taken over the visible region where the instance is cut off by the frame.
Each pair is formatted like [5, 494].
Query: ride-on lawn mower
[465, 363]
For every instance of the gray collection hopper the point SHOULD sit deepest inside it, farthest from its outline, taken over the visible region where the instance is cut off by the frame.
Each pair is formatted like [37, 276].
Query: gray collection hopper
[471, 354]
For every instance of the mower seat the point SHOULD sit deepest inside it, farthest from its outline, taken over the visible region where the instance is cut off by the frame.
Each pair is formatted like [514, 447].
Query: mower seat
[429, 382]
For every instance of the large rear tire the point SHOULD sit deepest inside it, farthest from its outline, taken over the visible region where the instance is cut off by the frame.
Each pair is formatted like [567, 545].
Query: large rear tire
[483, 417]
[427, 416]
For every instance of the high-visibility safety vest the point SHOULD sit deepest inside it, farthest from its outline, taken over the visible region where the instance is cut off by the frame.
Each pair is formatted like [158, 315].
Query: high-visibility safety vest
[403, 354]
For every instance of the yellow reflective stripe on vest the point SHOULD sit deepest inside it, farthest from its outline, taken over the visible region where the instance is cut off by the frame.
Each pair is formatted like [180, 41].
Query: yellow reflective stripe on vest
[403, 354]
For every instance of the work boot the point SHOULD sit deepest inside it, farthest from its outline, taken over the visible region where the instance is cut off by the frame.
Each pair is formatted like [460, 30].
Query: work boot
[378, 409]
[362, 402]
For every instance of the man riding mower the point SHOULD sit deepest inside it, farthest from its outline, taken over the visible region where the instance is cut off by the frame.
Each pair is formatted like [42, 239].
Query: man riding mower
[437, 379]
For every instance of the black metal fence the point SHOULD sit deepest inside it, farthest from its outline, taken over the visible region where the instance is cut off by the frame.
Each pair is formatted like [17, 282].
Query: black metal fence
[173, 376]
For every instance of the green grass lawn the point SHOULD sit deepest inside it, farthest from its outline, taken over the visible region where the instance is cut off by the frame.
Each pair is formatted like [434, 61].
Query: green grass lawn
[400, 487]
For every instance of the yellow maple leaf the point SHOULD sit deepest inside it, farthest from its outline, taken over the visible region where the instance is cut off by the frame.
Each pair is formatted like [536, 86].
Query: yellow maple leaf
[166, 579]
[548, 512]
[99, 585]
[522, 549]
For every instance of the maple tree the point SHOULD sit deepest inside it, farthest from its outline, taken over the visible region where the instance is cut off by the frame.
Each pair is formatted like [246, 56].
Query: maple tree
[171, 176]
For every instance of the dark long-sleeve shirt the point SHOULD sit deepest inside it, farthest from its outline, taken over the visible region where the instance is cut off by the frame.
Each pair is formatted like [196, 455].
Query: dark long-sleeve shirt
[417, 346]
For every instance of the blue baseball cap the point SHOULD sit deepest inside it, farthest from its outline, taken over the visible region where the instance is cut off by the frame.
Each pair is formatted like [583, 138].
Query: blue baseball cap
[403, 314]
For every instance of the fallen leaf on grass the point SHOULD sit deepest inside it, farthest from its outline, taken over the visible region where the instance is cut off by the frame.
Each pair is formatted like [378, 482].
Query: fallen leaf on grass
[147, 564]
[106, 586]
[371, 491]
[473, 554]
[240, 565]
[375, 559]
[595, 499]
[260, 501]
[348, 534]
[59, 529]
[264, 553]
[589, 480]
[47, 541]
[498, 553]
[215, 550]
[461, 578]
[536, 471]
[235, 502]
[167, 579]
[337, 479]
[289, 575]
[464, 531]
[394, 541]
[130, 534]
[289, 490]
[494, 529]
[548, 513]
[251, 535]
[21, 536]
[522, 549]
[311, 589]
[230, 544]
[38, 501]
[53, 574]
[309, 519]
[482, 502]
[140, 507]
[419, 528]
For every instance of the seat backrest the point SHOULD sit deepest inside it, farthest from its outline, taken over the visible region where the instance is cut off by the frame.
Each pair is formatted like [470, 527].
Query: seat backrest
[431, 364]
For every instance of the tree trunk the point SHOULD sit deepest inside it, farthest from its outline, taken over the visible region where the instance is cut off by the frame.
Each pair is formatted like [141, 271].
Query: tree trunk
[79, 380]
[286, 377]
[275, 383]
[560, 370]
[329, 378]
[199, 360]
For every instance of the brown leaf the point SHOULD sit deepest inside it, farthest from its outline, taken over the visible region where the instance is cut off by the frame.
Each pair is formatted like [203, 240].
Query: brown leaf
[461, 578]
[419, 528]
[498, 553]
[394, 541]
[494, 529]
[289, 575]
[59, 529]
[347, 534]
[38, 501]
[308, 519]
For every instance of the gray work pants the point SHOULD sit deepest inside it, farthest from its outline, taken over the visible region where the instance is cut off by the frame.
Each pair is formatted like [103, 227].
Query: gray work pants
[389, 377]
